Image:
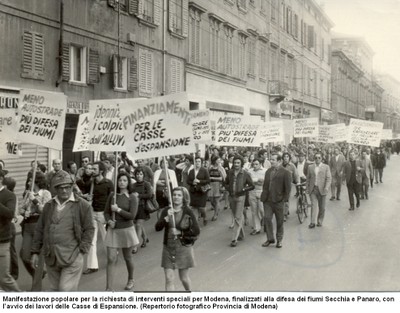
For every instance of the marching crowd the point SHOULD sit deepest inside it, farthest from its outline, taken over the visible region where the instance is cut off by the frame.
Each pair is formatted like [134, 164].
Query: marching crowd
[63, 210]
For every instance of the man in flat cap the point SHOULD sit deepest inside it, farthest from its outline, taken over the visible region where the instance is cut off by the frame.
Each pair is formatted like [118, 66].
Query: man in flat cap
[64, 232]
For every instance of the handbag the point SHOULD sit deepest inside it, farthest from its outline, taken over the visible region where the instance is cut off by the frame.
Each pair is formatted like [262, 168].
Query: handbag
[152, 205]
[187, 237]
[205, 188]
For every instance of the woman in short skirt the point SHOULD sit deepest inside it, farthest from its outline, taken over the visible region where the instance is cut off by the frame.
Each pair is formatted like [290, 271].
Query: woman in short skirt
[175, 255]
[121, 233]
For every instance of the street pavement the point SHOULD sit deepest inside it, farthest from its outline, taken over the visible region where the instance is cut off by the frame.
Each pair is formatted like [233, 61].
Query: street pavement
[353, 251]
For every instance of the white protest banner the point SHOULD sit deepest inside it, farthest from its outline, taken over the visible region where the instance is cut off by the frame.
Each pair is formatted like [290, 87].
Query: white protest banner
[105, 125]
[387, 134]
[366, 133]
[201, 124]
[341, 132]
[42, 118]
[234, 130]
[158, 126]
[305, 127]
[271, 132]
[326, 134]
[82, 134]
[9, 146]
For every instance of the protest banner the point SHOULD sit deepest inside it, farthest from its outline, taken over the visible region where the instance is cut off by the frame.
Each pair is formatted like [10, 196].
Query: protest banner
[9, 146]
[42, 118]
[158, 126]
[234, 130]
[201, 124]
[366, 133]
[305, 127]
[326, 134]
[341, 132]
[82, 134]
[105, 125]
[387, 134]
[271, 132]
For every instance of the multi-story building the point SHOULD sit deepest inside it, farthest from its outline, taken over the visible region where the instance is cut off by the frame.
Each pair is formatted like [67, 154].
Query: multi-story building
[389, 112]
[355, 92]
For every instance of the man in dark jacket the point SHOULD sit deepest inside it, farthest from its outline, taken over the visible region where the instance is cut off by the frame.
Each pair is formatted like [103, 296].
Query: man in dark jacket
[64, 231]
[379, 163]
[237, 183]
[276, 192]
[7, 211]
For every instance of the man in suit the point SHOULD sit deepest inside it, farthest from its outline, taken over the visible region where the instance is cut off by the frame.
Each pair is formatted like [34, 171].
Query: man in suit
[336, 166]
[367, 165]
[318, 182]
[353, 171]
[276, 191]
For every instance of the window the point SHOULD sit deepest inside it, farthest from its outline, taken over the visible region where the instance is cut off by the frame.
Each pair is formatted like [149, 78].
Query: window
[215, 24]
[322, 49]
[274, 13]
[33, 55]
[77, 64]
[311, 37]
[228, 50]
[274, 64]
[147, 11]
[242, 54]
[263, 60]
[123, 5]
[282, 66]
[251, 57]
[176, 72]
[120, 67]
[263, 8]
[146, 87]
[296, 26]
[194, 38]
[178, 17]
[242, 5]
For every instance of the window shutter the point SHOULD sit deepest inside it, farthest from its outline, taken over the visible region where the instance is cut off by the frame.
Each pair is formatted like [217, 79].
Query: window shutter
[133, 7]
[157, 12]
[65, 62]
[38, 55]
[94, 73]
[172, 15]
[185, 17]
[179, 75]
[173, 75]
[111, 3]
[140, 8]
[115, 70]
[149, 73]
[27, 66]
[310, 36]
[132, 74]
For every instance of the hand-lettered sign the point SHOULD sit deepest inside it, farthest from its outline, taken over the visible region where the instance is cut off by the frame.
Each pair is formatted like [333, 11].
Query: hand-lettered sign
[366, 133]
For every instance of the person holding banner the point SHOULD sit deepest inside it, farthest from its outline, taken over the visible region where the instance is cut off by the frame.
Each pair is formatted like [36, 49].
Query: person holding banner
[65, 232]
[102, 187]
[276, 191]
[353, 171]
[198, 178]
[119, 214]
[31, 209]
[238, 182]
[175, 255]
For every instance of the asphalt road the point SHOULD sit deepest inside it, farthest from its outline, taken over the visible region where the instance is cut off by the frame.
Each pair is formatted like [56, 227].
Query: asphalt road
[353, 251]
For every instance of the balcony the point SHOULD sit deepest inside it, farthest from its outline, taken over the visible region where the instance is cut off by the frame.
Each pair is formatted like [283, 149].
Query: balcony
[277, 88]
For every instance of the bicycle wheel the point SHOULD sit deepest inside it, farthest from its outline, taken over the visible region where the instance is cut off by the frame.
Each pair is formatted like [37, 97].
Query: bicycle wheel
[300, 211]
[305, 205]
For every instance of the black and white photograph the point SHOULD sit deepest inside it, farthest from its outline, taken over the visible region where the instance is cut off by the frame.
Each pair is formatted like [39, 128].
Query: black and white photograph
[242, 154]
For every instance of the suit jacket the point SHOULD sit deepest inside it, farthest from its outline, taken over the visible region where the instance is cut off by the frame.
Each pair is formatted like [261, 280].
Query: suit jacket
[337, 166]
[347, 171]
[322, 180]
[280, 186]
[367, 165]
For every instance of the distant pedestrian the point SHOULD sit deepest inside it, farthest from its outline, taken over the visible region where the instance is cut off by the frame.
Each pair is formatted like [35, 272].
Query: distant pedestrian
[379, 165]
[367, 174]
[353, 172]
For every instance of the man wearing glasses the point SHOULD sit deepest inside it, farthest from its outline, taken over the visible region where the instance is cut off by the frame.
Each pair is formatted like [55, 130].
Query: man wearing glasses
[318, 183]
[85, 161]
[64, 231]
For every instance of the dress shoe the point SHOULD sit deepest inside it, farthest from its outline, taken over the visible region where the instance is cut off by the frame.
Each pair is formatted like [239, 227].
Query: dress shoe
[319, 224]
[255, 232]
[90, 271]
[337, 198]
[279, 244]
[351, 208]
[233, 243]
[267, 243]
[312, 225]
[332, 198]
[357, 204]
[130, 284]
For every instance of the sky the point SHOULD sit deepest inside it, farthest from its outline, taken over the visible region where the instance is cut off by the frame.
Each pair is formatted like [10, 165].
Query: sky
[378, 21]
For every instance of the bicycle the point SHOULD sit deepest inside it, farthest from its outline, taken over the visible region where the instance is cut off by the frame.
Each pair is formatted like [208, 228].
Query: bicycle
[302, 203]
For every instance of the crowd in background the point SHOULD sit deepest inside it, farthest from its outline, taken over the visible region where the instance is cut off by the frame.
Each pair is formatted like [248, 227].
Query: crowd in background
[63, 210]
